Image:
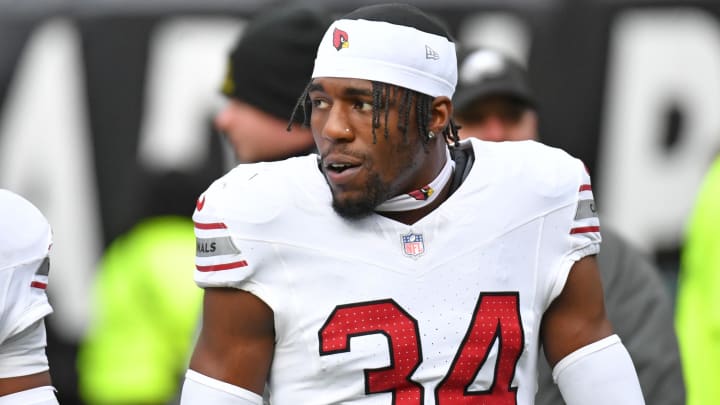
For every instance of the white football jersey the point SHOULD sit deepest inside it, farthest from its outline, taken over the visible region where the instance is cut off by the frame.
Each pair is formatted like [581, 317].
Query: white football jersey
[25, 241]
[373, 311]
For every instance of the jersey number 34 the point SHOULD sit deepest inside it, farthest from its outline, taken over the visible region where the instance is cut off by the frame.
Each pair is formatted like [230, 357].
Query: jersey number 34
[496, 316]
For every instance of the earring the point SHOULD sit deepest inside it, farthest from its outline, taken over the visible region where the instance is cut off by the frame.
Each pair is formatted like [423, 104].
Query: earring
[431, 135]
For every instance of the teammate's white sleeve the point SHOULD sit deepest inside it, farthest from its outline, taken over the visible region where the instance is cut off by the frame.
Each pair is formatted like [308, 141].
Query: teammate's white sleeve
[35, 396]
[24, 353]
[199, 389]
[600, 373]
[22, 309]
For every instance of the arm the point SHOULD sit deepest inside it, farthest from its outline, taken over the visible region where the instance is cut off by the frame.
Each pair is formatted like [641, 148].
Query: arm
[590, 364]
[30, 382]
[576, 317]
[236, 342]
[16, 384]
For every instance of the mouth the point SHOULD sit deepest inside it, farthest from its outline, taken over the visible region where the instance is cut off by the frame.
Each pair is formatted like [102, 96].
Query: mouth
[341, 169]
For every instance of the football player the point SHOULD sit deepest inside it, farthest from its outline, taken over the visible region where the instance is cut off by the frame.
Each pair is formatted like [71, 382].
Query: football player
[399, 265]
[25, 241]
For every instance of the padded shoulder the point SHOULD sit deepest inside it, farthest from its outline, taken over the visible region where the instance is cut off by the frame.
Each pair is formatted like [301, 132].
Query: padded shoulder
[254, 193]
[535, 171]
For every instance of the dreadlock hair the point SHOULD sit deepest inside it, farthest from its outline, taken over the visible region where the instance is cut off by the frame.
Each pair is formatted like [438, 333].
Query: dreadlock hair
[384, 95]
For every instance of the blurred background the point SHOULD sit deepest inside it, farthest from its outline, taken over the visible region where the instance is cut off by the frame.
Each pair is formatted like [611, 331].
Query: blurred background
[99, 97]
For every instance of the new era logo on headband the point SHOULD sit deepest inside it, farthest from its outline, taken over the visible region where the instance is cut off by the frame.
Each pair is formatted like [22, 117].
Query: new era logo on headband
[340, 39]
[431, 53]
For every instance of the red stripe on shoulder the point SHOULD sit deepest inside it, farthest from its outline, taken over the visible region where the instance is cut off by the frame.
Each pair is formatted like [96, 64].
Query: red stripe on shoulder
[220, 267]
[586, 187]
[38, 284]
[213, 225]
[585, 229]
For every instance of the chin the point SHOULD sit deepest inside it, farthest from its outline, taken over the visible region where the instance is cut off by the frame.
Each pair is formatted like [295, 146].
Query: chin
[360, 203]
[353, 209]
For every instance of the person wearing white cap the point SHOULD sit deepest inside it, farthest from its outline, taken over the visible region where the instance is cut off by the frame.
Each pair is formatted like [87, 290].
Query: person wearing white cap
[25, 241]
[400, 265]
[127, 356]
[493, 100]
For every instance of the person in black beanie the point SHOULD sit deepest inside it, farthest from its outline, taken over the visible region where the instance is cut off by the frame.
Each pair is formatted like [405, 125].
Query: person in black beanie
[146, 308]
[268, 67]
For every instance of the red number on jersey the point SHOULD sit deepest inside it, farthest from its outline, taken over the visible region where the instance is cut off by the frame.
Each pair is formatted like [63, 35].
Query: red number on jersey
[388, 318]
[496, 316]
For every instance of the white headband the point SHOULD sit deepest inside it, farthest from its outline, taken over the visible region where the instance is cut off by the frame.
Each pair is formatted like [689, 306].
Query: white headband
[388, 53]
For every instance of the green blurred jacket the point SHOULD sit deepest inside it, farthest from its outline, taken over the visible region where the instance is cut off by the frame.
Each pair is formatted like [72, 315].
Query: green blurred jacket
[145, 318]
[698, 302]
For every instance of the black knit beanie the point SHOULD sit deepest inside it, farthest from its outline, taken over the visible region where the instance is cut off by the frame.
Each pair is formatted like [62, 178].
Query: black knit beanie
[273, 60]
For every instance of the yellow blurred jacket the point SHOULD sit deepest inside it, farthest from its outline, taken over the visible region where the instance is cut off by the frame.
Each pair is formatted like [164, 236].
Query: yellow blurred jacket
[698, 301]
[145, 316]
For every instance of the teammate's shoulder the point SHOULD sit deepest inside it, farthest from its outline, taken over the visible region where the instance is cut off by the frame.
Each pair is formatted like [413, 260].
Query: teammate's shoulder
[26, 233]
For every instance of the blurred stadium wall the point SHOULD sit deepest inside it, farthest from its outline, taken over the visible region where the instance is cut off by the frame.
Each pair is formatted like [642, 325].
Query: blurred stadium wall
[96, 93]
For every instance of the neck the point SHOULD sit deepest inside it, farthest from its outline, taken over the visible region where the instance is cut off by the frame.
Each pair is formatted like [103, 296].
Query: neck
[410, 217]
[410, 207]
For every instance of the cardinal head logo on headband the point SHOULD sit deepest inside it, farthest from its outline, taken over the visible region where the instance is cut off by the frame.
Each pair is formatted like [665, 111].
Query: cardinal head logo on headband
[340, 39]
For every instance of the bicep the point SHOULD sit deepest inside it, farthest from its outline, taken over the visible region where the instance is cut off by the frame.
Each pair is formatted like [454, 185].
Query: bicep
[236, 341]
[577, 316]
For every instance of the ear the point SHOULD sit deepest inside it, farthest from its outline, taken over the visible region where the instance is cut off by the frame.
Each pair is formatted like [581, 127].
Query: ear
[441, 111]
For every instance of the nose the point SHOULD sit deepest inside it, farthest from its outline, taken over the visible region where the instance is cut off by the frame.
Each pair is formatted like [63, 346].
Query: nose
[493, 129]
[222, 118]
[336, 126]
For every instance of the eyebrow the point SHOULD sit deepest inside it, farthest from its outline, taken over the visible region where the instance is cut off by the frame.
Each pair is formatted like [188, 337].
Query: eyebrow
[354, 91]
[315, 87]
[348, 92]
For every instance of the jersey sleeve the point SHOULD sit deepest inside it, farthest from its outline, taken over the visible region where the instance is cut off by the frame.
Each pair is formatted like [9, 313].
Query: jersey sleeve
[573, 231]
[25, 301]
[240, 222]
[585, 224]
[228, 251]
[219, 262]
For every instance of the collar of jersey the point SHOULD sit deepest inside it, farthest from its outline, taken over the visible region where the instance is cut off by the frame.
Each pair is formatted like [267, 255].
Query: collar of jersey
[423, 196]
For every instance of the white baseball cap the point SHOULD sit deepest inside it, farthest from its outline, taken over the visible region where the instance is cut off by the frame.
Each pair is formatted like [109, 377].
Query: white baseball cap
[25, 234]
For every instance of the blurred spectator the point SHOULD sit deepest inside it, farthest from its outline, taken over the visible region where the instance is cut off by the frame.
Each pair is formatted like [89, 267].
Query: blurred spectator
[145, 311]
[698, 303]
[494, 102]
[25, 241]
[146, 303]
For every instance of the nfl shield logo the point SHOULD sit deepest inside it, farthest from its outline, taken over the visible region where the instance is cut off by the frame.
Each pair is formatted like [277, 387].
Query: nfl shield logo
[413, 244]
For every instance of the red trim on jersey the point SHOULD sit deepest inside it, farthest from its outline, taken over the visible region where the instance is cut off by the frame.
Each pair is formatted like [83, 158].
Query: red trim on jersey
[220, 267]
[585, 229]
[213, 225]
[39, 285]
[586, 187]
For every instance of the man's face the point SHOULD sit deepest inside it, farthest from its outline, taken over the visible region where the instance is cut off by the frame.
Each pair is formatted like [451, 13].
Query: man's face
[498, 118]
[258, 136]
[362, 174]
